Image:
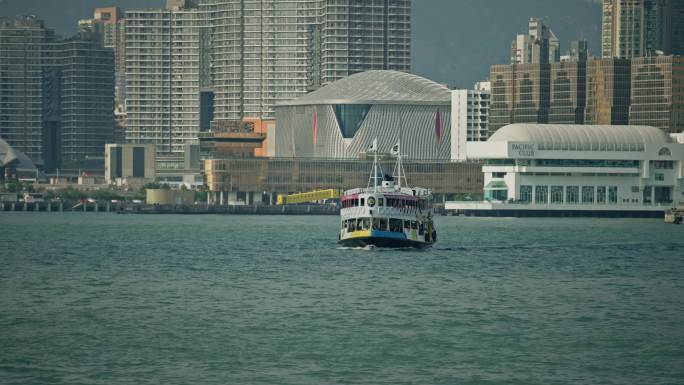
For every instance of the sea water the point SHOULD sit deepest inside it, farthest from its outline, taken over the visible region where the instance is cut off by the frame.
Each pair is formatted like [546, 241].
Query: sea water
[154, 299]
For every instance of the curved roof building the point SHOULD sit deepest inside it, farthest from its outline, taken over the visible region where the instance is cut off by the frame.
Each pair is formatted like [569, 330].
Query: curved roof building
[342, 119]
[557, 168]
[570, 137]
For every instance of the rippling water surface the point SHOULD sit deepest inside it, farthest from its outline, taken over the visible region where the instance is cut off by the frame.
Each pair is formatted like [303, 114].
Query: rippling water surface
[125, 299]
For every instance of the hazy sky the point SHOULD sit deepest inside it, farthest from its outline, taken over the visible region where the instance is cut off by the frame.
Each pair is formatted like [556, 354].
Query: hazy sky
[454, 41]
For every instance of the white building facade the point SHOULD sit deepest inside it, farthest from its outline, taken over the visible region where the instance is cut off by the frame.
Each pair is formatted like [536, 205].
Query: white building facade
[469, 118]
[580, 167]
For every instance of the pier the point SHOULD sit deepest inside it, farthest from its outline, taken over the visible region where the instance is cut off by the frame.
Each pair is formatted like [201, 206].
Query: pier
[132, 208]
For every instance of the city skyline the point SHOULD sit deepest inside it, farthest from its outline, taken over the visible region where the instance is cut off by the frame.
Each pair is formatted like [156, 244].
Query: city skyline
[433, 56]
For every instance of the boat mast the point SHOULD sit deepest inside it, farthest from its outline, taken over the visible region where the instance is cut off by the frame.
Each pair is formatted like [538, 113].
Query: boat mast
[399, 167]
[374, 175]
[375, 171]
[399, 173]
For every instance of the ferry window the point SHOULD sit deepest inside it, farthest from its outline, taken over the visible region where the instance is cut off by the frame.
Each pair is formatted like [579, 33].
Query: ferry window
[414, 225]
[407, 224]
[365, 223]
[352, 225]
[395, 225]
[421, 228]
[371, 202]
[380, 224]
[381, 202]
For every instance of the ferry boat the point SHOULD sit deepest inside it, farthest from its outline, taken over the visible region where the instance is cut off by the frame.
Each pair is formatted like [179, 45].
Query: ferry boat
[386, 213]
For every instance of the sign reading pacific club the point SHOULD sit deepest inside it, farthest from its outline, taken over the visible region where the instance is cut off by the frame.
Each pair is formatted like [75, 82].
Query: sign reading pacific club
[523, 150]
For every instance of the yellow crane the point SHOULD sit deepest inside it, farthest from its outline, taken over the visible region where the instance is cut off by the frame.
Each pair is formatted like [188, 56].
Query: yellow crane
[311, 196]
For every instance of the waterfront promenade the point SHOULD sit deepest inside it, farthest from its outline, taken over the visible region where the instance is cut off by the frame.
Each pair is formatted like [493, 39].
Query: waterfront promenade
[132, 208]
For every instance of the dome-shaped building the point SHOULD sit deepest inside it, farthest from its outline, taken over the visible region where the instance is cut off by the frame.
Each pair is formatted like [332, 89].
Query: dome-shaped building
[342, 119]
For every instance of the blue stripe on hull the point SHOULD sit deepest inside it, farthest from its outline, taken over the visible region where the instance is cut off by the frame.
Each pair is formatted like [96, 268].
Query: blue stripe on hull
[384, 242]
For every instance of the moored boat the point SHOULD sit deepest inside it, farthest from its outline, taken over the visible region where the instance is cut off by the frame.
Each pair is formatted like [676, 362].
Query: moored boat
[387, 213]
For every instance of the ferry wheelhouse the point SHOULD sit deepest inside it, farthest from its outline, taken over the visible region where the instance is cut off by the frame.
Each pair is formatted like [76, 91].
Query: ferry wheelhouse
[386, 213]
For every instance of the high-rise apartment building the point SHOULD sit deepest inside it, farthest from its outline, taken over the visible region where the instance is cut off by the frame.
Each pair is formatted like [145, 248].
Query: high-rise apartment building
[261, 54]
[86, 98]
[579, 51]
[56, 96]
[608, 91]
[358, 36]
[22, 41]
[267, 51]
[164, 67]
[109, 24]
[540, 45]
[469, 118]
[228, 60]
[657, 93]
[677, 20]
[637, 28]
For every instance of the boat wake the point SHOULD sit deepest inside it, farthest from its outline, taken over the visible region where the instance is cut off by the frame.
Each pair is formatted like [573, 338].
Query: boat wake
[364, 248]
[378, 249]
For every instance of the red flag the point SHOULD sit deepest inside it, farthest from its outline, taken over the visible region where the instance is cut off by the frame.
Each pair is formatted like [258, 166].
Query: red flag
[315, 127]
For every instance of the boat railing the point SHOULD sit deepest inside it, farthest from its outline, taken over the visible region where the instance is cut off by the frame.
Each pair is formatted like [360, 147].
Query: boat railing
[419, 192]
